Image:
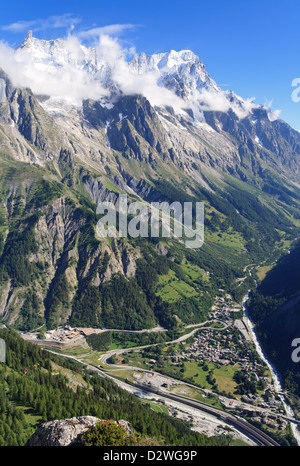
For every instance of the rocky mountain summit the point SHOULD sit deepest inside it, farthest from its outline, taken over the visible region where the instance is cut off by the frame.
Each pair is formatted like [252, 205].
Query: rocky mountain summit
[67, 432]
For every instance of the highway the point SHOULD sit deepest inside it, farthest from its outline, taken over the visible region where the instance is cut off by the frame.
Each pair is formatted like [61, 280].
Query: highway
[242, 425]
[239, 423]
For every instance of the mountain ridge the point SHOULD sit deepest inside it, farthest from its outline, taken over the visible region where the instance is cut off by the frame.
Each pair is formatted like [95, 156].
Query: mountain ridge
[180, 71]
[59, 160]
[255, 132]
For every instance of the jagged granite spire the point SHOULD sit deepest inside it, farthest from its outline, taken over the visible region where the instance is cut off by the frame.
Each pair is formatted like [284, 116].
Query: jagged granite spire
[28, 36]
[26, 41]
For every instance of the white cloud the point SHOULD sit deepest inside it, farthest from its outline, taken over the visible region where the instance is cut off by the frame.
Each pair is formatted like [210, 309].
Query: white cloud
[214, 101]
[53, 22]
[73, 84]
[110, 51]
[19, 26]
[111, 30]
[273, 115]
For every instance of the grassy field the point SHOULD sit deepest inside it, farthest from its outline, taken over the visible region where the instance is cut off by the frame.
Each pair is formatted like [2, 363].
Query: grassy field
[224, 378]
[171, 288]
[196, 394]
[157, 407]
[195, 273]
[223, 375]
[229, 239]
[262, 271]
[176, 289]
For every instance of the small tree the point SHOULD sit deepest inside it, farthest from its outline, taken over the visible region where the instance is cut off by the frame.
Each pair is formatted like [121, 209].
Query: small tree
[109, 433]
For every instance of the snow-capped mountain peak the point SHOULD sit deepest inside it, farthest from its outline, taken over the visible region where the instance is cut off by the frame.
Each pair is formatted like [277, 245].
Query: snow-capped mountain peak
[79, 72]
[59, 52]
[184, 67]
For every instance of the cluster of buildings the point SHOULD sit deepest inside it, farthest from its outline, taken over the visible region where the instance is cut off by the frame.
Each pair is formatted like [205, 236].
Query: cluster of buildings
[264, 412]
[64, 334]
[61, 335]
[221, 348]
[223, 308]
[230, 345]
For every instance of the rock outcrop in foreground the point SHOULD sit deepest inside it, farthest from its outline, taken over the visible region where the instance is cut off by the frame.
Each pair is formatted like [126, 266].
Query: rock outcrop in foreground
[67, 432]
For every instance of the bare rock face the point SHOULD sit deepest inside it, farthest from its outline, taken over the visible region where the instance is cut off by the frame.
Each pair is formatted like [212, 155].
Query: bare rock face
[67, 432]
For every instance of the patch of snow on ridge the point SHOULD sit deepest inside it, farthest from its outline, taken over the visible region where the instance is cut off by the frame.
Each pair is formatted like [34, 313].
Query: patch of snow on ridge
[2, 91]
[107, 139]
[258, 141]
[58, 105]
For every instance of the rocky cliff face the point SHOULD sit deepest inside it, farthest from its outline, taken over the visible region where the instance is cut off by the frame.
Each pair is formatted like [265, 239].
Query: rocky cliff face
[60, 254]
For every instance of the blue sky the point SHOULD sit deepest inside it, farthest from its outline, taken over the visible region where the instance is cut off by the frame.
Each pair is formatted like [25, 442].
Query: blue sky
[248, 47]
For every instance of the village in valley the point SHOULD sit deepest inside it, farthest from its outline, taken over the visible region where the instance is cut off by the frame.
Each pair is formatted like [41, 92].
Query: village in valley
[226, 346]
[219, 348]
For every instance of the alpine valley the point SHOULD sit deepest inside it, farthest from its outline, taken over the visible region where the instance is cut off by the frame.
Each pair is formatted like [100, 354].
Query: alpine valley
[156, 128]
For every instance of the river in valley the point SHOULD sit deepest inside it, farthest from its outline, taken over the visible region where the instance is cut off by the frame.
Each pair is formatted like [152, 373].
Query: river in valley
[275, 375]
